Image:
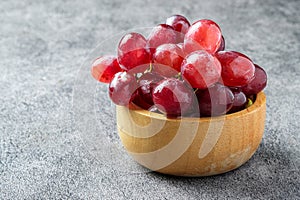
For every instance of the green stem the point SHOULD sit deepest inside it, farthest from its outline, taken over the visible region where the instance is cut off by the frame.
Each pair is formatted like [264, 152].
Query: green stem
[249, 103]
[178, 76]
[151, 67]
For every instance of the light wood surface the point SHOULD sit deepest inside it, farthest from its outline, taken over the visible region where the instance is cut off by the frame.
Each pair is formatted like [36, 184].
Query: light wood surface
[192, 146]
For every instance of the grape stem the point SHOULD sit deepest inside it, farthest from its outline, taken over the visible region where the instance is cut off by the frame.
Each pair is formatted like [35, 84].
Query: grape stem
[151, 67]
[178, 76]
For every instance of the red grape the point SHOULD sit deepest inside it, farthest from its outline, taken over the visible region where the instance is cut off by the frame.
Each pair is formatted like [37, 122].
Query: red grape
[146, 84]
[104, 68]
[132, 52]
[168, 56]
[138, 100]
[180, 24]
[215, 101]
[239, 101]
[161, 34]
[258, 83]
[237, 69]
[122, 87]
[203, 35]
[201, 69]
[173, 97]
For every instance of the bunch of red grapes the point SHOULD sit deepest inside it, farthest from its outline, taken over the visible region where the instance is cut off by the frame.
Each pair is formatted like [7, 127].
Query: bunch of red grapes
[180, 70]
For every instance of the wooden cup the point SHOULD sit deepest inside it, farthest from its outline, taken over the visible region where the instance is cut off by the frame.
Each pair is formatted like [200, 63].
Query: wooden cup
[192, 146]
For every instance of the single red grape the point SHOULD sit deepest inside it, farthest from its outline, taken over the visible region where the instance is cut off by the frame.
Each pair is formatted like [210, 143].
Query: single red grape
[168, 56]
[138, 100]
[203, 35]
[180, 24]
[132, 52]
[237, 69]
[215, 100]
[201, 69]
[104, 68]
[239, 101]
[258, 83]
[122, 88]
[146, 84]
[161, 34]
[173, 97]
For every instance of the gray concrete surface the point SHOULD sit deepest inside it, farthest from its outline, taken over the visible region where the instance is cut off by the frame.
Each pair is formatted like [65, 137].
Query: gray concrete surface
[58, 138]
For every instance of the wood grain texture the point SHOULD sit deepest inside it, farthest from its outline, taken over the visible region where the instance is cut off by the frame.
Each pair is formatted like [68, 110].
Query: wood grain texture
[192, 146]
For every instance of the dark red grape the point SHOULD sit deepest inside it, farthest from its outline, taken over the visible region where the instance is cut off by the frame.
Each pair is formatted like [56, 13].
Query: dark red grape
[258, 83]
[146, 84]
[138, 100]
[132, 52]
[122, 88]
[203, 35]
[201, 69]
[239, 101]
[173, 97]
[161, 34]
[168, 56]
[180, 24]
[104, 68]
[237, 69]
[215, 100]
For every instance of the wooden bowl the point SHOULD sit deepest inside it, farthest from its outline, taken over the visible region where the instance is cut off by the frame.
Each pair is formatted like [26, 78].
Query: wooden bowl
[192, 146]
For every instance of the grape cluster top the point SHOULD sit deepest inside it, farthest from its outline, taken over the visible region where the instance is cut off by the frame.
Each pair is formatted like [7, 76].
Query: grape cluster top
[180, 70]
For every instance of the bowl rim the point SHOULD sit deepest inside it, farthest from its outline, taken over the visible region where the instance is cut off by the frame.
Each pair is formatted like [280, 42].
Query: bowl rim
[259, 101]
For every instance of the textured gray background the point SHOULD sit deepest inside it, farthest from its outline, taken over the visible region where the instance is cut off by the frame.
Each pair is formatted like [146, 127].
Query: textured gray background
[57, 125]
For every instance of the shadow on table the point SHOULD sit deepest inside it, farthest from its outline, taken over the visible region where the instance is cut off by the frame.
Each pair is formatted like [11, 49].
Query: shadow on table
[268, 174]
